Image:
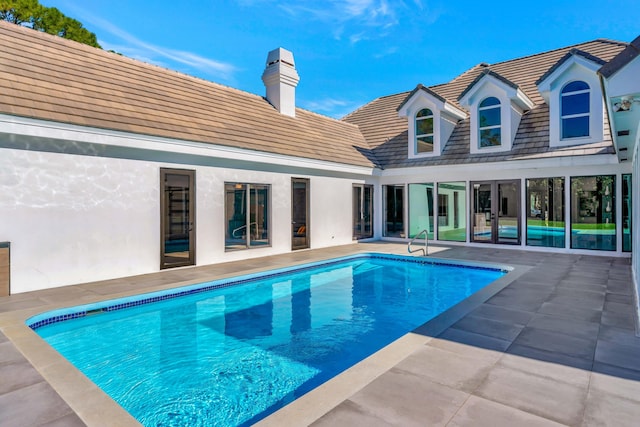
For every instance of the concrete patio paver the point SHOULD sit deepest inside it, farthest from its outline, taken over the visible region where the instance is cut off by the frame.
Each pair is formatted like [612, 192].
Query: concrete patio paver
[479, 412]
[557, 346]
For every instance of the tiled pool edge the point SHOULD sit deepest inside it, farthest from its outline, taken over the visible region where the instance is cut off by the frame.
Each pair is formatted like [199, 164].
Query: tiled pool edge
[74, 312]
[312, 406]
[93, 405]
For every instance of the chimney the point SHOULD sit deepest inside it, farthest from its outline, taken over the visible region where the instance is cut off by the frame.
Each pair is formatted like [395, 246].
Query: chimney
[281, 78]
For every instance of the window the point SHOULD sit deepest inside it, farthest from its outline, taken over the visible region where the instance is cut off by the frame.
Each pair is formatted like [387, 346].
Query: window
[394, 210]
[452, 211]
[626, 212]
[545, 212]
[420, 209]
[424, 131]
[574, 107]
[489, 128]
[593, 212]
[247, 215]
[362, 211]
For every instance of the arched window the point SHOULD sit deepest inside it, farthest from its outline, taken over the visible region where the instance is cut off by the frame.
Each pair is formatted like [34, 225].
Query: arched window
[574, 110]
[424, 131]
[489, 123]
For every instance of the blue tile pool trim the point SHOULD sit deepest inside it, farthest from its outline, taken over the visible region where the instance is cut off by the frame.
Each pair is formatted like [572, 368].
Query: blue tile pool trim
[61, 315]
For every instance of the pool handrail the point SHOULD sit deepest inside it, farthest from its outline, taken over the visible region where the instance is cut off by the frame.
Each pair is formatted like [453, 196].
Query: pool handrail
[425, 250]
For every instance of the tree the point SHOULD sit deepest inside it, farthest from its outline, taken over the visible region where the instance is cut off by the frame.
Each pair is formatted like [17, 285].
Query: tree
[30, 13]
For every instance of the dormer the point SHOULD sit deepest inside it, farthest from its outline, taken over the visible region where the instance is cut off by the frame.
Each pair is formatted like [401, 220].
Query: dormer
[496, 106]
[571, 89]
[431, 120]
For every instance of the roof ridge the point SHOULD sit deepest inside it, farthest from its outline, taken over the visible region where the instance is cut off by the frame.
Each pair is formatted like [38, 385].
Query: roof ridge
[546, 52]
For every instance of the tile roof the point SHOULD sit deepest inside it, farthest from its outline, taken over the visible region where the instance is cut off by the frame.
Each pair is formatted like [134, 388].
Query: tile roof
[387, 133]
[51, 78]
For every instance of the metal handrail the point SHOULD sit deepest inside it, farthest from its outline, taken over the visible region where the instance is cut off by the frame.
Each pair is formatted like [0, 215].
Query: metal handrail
[233, 233]
[425, 250]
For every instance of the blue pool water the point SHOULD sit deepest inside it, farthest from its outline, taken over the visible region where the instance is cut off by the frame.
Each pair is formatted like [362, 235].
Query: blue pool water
[232, 355]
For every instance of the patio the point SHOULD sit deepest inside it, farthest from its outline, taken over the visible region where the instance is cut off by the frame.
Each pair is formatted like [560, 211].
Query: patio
[557, 346]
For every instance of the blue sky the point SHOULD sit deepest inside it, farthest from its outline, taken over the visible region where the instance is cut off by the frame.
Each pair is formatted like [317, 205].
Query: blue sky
[347, 52]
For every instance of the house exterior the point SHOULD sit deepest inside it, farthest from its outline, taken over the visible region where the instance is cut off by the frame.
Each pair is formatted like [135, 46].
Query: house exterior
[110, 167]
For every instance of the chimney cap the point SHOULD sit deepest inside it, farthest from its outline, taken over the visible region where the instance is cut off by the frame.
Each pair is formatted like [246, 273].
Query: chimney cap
[280, 55]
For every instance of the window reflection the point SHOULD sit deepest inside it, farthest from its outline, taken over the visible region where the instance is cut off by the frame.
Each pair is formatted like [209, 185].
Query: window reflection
[394, 210]
[626, 212]
[574, 104]
[489, 122]
[420, 209]
[424, 131]
[593, 212]
[452, 207]
[247, 215]
[545, 212]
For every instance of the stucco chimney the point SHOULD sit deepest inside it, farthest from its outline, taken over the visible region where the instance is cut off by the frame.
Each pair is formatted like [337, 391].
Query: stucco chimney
[281, 78]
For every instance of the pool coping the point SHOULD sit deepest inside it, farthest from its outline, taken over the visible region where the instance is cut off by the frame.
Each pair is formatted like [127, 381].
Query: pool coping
[316, 403]
[93, 406]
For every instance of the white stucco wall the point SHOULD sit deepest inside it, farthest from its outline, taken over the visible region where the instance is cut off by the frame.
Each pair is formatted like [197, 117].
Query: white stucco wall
[74, 218]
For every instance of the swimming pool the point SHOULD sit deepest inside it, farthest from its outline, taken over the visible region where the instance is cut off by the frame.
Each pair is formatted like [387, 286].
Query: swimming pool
[231, 352]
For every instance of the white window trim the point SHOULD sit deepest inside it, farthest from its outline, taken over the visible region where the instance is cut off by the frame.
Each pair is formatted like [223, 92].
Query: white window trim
[445, 117]
[572, 116]
[498, 126]
[432, 134]
[574, 69]
[413, 137]
[513, 103]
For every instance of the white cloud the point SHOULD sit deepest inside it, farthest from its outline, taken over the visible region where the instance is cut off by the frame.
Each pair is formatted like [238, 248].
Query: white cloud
[362, 18]
[386, 52]
[333, 107]
[154, 54]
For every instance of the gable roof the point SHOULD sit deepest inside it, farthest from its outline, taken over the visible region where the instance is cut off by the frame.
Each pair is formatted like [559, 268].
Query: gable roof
[387, 133]
[417, 89]
[570, 54]
[51, 78]
[487, 72]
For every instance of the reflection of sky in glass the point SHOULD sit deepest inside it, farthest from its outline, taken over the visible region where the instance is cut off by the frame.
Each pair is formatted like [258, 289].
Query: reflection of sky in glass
[575, 127]
[575, 104]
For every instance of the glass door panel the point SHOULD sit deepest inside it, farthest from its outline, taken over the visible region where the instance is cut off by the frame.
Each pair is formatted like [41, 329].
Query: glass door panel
[626, 212]
[482, 229]
[258, 215]
[299, 213]
[508, 212]
[362, 211]
[421, 209]
[177, 218]
[393, 196]
[496, 212]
